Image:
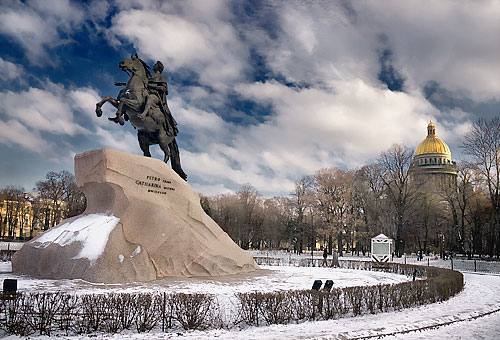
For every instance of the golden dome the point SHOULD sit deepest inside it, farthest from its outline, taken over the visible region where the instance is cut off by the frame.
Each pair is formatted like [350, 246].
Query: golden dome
[432, 144]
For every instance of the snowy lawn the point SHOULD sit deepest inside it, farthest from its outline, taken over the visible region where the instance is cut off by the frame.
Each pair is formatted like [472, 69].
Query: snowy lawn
[454, 319]
[481, 295]
[268, 279]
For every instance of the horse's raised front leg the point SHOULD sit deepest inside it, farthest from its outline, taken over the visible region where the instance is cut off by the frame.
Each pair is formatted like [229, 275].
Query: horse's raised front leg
[104, 100]
[120, 112]
[144, 143]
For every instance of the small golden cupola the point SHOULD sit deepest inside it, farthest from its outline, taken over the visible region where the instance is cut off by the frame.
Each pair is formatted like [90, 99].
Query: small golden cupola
[433, 148]
[432, 168]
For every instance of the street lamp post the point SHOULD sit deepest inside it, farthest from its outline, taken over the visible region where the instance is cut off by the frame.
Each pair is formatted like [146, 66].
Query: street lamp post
[312, 239]
[441, 245]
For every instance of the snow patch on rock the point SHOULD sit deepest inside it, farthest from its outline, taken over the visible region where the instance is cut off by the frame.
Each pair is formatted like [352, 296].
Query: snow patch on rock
[91, 230]
[136, 252]
[121, 258]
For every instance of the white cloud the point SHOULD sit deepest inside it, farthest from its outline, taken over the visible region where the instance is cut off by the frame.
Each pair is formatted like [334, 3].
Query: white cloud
[344, 117]
[35, 117]
[346, 125]
[67, 13]
[39, 25]
[453, 43]
[41, 110]
[214, 167]
[119, 139]
[9, 71]
[197, 119]
[209, 190]
[196, 36]
[14, 133]
[315, 42]
[84, 100]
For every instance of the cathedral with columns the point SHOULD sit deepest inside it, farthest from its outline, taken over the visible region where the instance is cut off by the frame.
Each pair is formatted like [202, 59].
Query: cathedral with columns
[432, 169]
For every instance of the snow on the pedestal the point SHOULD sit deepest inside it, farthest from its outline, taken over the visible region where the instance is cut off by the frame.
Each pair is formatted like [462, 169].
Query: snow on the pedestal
[136, 251]
[92, 231]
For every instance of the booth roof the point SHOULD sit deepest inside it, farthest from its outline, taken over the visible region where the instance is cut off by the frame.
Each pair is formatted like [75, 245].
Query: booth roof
[381, 236]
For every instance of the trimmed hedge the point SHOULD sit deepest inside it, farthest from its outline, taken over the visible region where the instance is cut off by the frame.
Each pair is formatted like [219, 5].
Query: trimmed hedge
[303, 305]
[62, 313]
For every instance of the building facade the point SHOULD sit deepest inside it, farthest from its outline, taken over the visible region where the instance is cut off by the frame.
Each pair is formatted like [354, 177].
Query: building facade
[433, 169]
[24, 216]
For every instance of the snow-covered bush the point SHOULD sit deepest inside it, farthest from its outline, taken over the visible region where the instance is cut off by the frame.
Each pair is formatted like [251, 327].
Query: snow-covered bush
[62, 313]
[194, 311]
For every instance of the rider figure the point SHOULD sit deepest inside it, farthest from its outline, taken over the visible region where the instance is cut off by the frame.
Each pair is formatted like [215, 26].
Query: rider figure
[156, 97]
[158, 89]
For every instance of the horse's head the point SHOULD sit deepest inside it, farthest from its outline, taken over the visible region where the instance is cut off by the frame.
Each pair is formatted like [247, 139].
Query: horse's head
[135, 66]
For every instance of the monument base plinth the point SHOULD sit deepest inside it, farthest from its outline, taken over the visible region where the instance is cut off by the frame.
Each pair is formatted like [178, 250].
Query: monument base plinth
[142, 223]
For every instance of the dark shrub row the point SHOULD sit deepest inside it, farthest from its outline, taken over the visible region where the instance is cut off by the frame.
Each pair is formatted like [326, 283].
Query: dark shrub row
[61, 313]
[295, 306]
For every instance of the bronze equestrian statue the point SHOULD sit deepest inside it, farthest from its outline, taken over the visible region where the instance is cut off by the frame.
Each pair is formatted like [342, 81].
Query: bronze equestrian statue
[143, 102]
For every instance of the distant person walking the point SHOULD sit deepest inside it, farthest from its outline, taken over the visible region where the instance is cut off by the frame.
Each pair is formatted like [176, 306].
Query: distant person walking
[325, 256]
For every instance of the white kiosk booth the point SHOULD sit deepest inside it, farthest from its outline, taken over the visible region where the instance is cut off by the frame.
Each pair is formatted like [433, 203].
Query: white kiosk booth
[382, 248]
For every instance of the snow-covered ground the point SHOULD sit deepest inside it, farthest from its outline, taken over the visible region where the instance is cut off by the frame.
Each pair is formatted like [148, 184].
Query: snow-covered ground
[461, 264]
[472, 314]
[268, 279]
[454, 319]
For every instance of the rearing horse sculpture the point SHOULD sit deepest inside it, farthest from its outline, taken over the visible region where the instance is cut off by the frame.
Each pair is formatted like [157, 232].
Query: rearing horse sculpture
[152, 128]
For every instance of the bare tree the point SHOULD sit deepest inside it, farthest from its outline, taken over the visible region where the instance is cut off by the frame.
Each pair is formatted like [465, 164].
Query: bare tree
[478, 216]
[52, 189]
[277, 216]
[224, 210]
[370, 190]
[301, 200]
[74, 198]
[14, 201]
[458, 198]
[428, 216]
[395, 164]
[333, 193]
[250, 221]
[483, 144]
[62, 197]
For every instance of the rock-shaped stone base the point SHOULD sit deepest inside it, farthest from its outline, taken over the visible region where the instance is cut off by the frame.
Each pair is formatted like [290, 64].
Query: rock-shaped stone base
[142, 223]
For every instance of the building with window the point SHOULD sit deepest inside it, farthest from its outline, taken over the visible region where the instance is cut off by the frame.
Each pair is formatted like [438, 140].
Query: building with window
[433, 170]
[25, 216]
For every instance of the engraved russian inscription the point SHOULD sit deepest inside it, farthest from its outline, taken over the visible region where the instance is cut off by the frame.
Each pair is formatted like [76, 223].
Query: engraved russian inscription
[156, 185]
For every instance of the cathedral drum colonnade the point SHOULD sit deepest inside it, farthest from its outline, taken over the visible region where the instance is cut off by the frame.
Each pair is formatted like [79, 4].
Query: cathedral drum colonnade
[432, 168]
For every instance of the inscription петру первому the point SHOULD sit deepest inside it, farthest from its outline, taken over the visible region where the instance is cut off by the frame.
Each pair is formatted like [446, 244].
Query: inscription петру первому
[157, 184]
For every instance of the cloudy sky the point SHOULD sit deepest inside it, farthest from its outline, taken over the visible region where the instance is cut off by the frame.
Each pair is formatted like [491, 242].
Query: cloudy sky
[263, 91]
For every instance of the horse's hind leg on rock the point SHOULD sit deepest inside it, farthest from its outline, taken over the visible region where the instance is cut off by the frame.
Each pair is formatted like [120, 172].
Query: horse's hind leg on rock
[176, 159]
[163, 142]
[144, 143]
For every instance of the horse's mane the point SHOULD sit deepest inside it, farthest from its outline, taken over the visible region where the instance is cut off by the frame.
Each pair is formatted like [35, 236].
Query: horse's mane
[146, 68]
